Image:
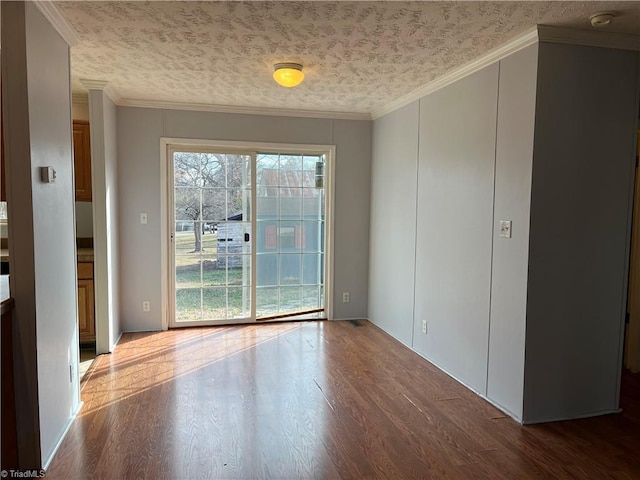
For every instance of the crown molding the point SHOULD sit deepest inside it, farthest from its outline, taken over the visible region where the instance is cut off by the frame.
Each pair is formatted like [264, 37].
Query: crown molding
[528, 38]
[93, 84]
[277, 112]
[588, 38]
[540, 33]
[102, 85]
[51, 12]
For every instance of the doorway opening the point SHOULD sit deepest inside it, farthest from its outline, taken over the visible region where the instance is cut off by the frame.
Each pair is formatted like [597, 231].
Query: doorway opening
[632, 330]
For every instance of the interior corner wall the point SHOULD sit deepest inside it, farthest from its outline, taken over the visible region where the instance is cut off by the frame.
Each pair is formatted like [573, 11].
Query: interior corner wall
[104, 167]
[582, 185]
[139, 131]
[351, 217]
[112, 217]
[84, 219]
[392, 234]
[514, 158]
[37, 113]
[80, 111]
[470, 284]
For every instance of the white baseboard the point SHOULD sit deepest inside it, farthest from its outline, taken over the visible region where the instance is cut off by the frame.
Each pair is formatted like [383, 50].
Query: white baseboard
[573, 417]
[46, 464]
[116, 342]
[444, 370]
[141, 331]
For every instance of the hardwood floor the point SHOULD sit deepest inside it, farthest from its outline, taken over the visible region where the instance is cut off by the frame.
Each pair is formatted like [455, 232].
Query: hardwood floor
[316, 400]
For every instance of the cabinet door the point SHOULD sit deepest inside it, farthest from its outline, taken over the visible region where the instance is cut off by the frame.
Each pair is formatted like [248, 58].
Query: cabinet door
[3, 188]
[86, 317]
[82, 160]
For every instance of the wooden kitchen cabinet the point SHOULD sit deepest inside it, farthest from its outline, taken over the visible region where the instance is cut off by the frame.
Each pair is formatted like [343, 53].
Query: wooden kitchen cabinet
[82, 160]
[86, 303]
[3, 187]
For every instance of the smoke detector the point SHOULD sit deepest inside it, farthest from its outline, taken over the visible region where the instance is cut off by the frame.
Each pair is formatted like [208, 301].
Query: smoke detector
[601, 19]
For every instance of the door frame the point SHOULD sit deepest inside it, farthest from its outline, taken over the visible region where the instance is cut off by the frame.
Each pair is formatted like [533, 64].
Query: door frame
[631, 358]
[249, 148]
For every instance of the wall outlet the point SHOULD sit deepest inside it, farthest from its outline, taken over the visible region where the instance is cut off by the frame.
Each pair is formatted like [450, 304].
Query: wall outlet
[146, 306]
[345, 297]
[424, 326]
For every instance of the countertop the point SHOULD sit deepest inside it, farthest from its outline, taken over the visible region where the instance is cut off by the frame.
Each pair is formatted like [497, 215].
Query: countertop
[6, 302]
[85, 255]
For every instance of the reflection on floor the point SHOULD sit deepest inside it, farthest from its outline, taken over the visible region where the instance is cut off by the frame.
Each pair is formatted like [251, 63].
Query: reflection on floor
[87, 356]
[317, 400]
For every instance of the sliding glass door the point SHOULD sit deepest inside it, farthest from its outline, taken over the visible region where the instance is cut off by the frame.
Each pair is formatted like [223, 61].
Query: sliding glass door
[245, 250]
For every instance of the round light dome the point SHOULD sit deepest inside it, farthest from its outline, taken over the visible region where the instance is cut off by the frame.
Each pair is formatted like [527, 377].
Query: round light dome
[288, 74]
[601, 19]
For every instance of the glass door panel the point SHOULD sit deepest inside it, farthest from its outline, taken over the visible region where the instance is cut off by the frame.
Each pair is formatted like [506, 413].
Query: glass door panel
[290, 219]
[212, 236]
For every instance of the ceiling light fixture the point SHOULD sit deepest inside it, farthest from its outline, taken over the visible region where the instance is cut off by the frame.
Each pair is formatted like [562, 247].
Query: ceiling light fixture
[601, 19]
[288, 74]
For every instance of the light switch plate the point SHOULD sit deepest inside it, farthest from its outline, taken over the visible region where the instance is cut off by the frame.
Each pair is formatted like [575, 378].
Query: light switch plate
[143, 218]
[48, 174]
[505, 228]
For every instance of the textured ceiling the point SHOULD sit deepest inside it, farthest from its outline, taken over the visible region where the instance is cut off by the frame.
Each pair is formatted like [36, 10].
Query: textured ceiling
[357, 56]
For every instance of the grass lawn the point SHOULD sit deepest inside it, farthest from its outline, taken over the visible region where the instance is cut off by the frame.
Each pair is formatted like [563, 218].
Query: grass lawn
[204, 292]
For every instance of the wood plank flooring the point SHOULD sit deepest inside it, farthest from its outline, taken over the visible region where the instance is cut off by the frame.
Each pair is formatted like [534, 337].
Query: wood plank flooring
[321, 400]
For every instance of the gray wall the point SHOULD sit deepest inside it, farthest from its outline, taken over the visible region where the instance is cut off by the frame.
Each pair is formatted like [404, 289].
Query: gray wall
[37, 112]
[392, 245]
[583, 168]
[454, 219]
[139, 188]
[533, 322]
[139, 132]
[104, 165]
[514, 156]
[84, 219]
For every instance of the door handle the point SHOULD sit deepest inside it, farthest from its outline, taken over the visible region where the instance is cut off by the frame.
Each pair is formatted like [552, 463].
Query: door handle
[246, 237]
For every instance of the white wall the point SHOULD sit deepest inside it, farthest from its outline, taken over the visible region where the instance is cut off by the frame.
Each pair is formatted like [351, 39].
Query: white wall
[393, 222]
[37, 113]
[580, 230]
[113, 219]
[139, 184]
